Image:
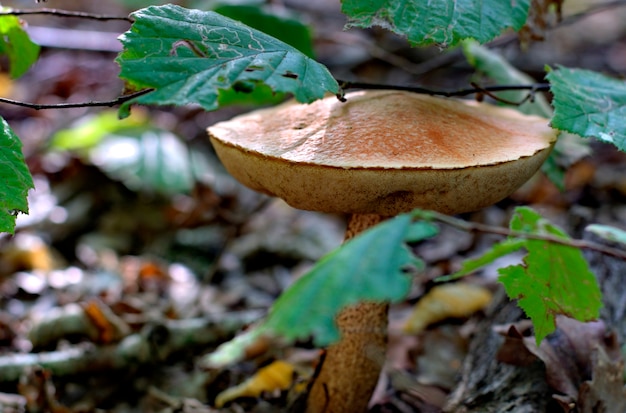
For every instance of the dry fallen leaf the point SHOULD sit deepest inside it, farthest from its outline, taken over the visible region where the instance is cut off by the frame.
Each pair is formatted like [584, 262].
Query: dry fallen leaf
[455, 300]
[276, 376]
[111, 328]
[28, 252]
[567, 354]
[606, 392]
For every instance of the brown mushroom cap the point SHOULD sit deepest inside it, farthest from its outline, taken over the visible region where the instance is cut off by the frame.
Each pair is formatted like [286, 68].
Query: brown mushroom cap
[384, 152]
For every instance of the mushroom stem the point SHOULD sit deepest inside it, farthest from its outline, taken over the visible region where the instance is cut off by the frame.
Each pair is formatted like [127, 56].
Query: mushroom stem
[351, 367]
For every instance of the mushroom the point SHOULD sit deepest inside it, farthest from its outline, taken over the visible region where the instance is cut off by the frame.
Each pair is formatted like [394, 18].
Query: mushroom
[377, 155]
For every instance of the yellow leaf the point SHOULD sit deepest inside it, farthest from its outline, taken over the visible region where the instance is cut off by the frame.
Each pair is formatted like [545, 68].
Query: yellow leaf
[456, 300]
[276, 376]
[6, 85]
[28, 252]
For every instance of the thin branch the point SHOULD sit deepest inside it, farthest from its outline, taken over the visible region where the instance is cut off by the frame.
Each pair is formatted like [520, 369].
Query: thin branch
[108, 103]
[536, 87]
[598, 8]
[63, 13]
[529, 96]
[490, 229]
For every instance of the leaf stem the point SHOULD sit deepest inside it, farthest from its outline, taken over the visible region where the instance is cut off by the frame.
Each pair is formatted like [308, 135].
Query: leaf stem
[535, 87]
[63, 13]
[109, 103]
[491, 229]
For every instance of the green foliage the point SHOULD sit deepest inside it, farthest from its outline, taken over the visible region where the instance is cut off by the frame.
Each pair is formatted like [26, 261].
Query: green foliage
[553, 279]
[129, 150]
[444, 22]
[496, 251]
[147, 159]
[283, 28]
[589, 104]
[188, 56]
[17, 46]
[90, 130]
[369, 267]
[608, 233]
[15, 179]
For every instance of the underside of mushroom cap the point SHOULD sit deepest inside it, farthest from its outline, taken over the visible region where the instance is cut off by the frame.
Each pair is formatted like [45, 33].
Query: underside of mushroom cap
[384, 152]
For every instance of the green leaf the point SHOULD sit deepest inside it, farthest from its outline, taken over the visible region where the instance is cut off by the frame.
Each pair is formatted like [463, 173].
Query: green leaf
[497, 68]
[259, 94]
[233, 350]
[589, 104]
[149, 160]
[608, 233]
[368, 267]
[187, 56]
[15, 43]
[553, 279]
[421, 230]
[283, 28]
[496, 251]
[444, 22]
[15, 179]
[90, 130]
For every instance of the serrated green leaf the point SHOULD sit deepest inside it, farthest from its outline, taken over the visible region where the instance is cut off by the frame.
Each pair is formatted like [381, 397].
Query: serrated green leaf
[589, 104]
[554, 279]
[444, 22]
[16, 44]
[496, 251]
[150, 160]
[15, 179]
[608, 233]
[368, 267]
[282, 27]
[187, 56]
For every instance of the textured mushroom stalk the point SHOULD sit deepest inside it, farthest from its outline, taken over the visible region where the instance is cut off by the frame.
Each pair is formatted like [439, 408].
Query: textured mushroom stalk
[352, 366]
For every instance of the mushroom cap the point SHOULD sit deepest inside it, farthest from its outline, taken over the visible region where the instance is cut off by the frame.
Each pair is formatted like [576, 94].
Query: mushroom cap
[384, 152]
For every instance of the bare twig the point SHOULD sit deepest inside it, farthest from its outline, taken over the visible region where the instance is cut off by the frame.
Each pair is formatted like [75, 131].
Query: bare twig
[63, 13]
[490, 229]
[108, 103]
[528, 97]
[536, 87]
[597, 8]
